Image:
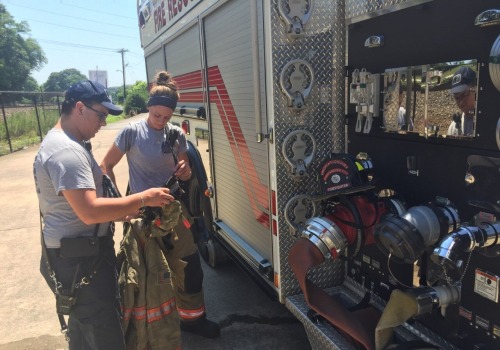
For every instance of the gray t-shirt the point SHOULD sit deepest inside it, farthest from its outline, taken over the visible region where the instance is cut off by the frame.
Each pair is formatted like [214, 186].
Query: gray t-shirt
[150, 165]
[64, 164]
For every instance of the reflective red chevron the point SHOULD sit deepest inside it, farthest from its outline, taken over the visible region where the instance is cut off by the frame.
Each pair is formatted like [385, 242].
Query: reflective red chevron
[257, 192]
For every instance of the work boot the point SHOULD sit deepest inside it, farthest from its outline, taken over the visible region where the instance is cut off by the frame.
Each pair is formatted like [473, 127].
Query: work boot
[202, 327]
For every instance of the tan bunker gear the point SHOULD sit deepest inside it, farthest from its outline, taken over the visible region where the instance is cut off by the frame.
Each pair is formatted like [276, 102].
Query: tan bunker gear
[160, 280]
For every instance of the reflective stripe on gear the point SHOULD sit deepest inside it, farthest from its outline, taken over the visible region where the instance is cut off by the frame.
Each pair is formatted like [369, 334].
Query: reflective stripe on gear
[151, 315]
[191, 314]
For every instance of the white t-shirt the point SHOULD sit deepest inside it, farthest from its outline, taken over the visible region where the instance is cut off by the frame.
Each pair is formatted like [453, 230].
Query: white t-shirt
[402, 120]
[466, 127]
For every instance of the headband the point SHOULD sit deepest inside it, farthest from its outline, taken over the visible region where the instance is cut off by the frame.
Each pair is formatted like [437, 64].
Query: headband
[167, 101]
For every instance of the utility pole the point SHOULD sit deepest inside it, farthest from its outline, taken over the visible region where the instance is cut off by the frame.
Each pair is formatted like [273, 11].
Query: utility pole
[122, 52]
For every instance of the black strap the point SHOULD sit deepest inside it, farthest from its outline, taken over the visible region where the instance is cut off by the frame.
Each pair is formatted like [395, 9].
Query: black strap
[62, 322]
[171, 135]
[52, 274]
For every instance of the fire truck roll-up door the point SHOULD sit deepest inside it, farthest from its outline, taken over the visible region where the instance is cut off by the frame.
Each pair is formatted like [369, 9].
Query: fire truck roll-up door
[155, 62]
[240, 164]
[182, 55]
[183, 60]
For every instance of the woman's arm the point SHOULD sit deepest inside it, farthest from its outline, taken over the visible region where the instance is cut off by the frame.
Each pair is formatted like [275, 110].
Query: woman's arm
[111, 158]
[183, 171]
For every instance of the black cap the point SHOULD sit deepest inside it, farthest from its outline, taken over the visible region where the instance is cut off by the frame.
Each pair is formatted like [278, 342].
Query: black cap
[463, 78]
[91, 91]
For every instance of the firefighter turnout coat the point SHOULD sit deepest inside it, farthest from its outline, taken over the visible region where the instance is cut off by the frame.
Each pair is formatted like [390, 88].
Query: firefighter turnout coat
[150, 319]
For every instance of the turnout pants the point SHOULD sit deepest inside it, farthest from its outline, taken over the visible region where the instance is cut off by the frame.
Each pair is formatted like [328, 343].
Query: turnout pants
[187, 275]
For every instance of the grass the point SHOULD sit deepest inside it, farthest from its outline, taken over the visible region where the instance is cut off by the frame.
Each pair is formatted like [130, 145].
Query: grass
[24, 130]
[114, 118]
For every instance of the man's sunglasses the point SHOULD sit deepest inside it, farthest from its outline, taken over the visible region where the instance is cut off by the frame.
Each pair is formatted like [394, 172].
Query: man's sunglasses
[463, 95]
[102, 116]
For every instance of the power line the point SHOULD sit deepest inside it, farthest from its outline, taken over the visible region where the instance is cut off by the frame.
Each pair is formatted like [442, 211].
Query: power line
[81, 46]
[93, 10]
[86, 30]
[69, 16]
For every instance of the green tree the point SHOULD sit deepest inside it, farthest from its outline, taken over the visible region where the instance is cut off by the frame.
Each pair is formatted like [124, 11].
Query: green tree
[19, 54]
[140, 88]
[61, 81]
[30, 84]
[115, 93]
[137, 95]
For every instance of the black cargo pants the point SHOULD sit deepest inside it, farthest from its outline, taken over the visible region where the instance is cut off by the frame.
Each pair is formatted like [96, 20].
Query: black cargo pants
[94, 322]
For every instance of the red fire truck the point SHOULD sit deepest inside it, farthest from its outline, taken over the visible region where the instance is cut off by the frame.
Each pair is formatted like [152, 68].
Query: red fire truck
[347, 156]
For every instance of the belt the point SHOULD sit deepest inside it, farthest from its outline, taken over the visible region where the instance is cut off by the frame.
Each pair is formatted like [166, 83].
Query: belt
[104, 241]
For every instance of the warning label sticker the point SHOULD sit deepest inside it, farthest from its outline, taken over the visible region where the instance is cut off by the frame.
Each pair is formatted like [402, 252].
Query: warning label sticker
[486, 285]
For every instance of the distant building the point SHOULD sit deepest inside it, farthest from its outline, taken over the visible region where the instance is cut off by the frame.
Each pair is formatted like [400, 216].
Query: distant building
[101, 76]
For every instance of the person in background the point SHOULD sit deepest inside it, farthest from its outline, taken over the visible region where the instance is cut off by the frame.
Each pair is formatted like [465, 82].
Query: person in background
[78, 258]
[403, 123]
[462, 89]
[156, 151]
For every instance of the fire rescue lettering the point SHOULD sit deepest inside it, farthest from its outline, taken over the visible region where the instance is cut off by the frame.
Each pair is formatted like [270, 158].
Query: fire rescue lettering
[175, 11]
[175, 7]
[159, 16]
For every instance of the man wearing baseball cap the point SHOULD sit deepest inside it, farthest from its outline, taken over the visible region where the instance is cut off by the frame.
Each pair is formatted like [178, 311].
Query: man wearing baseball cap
[462, 89]
[87, 90]
[78, 258]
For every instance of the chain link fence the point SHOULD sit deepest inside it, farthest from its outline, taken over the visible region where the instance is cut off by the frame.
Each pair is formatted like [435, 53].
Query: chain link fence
[27, 117]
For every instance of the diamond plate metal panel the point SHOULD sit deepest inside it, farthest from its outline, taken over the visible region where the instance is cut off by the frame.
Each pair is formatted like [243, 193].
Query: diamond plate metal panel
[355, 8]
[339, 82]
[323, 336]
[324, 48]
[320, 334]
[318, 49]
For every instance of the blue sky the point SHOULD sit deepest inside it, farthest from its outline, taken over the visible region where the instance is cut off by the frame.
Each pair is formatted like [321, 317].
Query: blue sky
[85, 35]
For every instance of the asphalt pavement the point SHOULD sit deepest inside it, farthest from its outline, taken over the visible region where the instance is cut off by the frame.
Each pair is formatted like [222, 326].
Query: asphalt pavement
[249, 319]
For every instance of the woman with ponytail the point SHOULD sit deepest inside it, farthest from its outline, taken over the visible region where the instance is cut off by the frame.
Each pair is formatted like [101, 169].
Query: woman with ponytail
[156, 151]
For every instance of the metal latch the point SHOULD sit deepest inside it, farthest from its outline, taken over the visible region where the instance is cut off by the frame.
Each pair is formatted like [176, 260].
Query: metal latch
[295, 14]
[298, 149]
[296, 80]
[298, 210]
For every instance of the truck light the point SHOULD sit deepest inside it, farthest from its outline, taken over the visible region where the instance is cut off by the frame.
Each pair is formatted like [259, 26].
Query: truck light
[209, 193]
[488, 18]
[186, 127]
